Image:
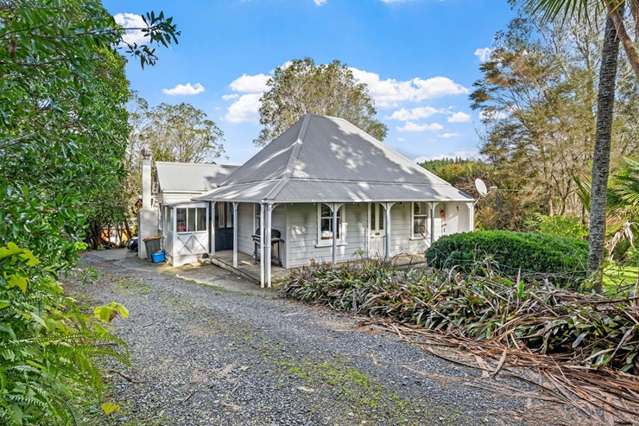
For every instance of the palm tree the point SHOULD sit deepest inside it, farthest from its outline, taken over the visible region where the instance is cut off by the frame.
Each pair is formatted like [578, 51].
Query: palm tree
[605, 107]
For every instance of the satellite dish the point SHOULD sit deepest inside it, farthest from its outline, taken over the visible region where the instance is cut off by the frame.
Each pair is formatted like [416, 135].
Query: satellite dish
[480, 185]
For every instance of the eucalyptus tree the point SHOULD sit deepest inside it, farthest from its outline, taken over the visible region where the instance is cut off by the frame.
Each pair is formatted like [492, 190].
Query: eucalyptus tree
[613, 31]
[301, 86]
[182, 133]
[615, 9]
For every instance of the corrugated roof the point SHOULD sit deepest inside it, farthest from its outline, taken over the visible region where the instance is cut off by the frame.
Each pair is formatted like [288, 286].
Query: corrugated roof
[329, 159]
[191, 177]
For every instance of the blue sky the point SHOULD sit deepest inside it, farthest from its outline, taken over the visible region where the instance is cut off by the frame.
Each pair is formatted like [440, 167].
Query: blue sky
[419, 58]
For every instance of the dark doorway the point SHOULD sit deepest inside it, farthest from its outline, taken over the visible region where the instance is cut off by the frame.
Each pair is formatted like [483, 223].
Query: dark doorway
[223, 226]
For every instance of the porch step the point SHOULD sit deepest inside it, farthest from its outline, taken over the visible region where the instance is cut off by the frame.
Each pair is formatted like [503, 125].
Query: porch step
[229, 267]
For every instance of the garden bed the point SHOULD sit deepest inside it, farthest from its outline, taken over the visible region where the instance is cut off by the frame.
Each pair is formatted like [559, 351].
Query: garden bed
[552, 329]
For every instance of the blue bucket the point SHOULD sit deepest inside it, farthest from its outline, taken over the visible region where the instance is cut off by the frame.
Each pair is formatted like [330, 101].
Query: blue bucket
[158, 257]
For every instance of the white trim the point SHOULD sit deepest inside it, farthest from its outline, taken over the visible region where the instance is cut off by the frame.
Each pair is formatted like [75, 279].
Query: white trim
[262, 265]
[412, 220]
[256, 206]
[205, 206]
[211, 218]
[174, 236]
[327, 242]
[267, 239]
[235, 232]
[387, 228]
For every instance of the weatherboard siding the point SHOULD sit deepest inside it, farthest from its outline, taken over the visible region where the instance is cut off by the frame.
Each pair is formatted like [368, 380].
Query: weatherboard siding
[298, 224]
[245, 228]
[302, 238]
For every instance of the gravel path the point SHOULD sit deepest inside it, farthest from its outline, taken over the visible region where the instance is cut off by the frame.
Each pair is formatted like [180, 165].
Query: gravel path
[208, 355]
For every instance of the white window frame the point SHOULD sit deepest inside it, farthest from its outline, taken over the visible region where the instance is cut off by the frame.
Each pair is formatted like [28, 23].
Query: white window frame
[194, 231]
[342, 226]
[377, 210]
[412, 220]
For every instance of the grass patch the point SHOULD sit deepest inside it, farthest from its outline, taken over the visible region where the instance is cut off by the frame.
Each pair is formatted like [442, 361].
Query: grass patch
[128, 286]
[619, 279]
[355, 393]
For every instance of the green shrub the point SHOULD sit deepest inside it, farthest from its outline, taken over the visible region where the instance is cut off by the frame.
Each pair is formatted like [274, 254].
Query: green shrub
[531, 254]
[563, 226]
[48, 344]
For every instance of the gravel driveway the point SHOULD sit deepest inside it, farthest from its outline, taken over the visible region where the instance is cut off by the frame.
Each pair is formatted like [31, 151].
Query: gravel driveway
[215, 355]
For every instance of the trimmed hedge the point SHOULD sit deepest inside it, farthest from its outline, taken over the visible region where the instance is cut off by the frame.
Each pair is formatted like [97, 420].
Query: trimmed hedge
[561, 258]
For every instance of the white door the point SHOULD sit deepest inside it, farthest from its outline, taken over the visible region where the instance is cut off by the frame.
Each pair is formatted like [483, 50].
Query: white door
[376, 233]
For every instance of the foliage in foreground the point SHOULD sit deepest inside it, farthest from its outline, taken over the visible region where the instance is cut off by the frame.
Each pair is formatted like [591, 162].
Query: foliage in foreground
[542, 255]
[63, 136]
[587, 330]
[49, 345]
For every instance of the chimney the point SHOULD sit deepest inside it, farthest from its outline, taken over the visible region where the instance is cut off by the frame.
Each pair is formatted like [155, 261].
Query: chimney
[148, 219]
[146, 179]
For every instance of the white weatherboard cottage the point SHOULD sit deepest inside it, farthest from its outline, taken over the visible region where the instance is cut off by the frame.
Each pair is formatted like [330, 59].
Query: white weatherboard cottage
[324, 174]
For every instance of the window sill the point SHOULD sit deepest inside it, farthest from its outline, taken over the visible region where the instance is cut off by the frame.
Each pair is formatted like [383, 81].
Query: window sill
[419, 238]
[329, 243]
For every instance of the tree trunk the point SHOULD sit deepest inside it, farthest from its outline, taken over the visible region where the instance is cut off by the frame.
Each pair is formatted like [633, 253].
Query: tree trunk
[601, 155]
[631, 50]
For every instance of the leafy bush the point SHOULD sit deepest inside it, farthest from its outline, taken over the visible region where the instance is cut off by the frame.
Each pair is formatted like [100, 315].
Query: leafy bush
[49, 345]
[531, 254]
[563, 226]
[584, 329]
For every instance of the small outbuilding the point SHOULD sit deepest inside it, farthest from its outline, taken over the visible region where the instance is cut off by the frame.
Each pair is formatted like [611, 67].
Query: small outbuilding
[169, 211]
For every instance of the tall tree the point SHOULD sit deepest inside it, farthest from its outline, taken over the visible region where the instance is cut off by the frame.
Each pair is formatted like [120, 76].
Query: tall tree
[601, 155]
[172, 133]
[615, 10]
[605, 109]
[302, 86]
[182, 133]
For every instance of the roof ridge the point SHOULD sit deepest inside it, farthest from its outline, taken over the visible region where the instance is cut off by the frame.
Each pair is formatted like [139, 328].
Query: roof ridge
[190, 163]
[297, 146]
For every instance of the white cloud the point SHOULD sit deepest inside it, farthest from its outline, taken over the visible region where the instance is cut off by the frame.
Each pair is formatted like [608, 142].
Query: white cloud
[483, 53]
[448, 135]
[386, 92]
[414, 127]
[131, 20]
[187, 89]
[248, 91]
[459, 117]
[250, 83]
[320, 2]
[245, 108]
[404, 114]
[390, 91]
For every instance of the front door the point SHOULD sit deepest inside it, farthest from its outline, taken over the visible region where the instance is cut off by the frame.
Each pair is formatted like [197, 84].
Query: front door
[376, 233]
[223, 226]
